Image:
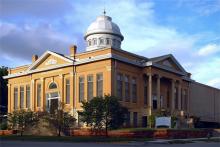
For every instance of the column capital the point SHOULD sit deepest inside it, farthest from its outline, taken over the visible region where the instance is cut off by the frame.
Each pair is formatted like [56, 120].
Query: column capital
[61, 76]
[159, 76]
[32, 81]
[173, 80]
[149, 74]
[41, 79]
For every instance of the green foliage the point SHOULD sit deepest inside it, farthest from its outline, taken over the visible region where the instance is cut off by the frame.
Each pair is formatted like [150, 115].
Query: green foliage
[3, 125]
[92, 113]
[61, 119]
[3, 90]
[103, 112]
[152, 121]
[173, 121]
[20, 119]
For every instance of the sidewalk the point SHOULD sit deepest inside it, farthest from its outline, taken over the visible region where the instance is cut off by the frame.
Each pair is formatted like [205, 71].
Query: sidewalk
[187, 139]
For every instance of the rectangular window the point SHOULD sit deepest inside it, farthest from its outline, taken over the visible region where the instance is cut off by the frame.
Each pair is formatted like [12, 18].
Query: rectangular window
[145, 92]
[81, 89]
[168, 99]
[119, 86]
[21, 97]
[154, 102]
[67, 91]
[185, 100]
[99, 84]
[16, 98]
[90, 87]
[134, 90]
[176, 98]
[38, 95]
[127, 89]
[135, 118]
[28, 97]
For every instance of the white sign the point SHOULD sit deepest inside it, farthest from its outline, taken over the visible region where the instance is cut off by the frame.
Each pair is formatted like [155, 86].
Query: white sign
[163, 121]
[51, 62]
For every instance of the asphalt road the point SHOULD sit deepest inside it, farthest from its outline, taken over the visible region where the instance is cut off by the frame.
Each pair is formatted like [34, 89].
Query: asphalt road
[132, 144]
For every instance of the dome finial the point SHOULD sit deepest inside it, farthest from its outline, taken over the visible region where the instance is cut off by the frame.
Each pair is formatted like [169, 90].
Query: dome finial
[104, 12]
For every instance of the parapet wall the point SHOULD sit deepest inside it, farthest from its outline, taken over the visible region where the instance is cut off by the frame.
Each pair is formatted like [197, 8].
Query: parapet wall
[204, 102]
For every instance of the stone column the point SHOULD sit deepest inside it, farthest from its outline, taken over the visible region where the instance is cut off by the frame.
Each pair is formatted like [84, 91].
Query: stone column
[149, 93]
[158, 92]
[61, 88]
[33, 89]
[173, 95]
[179, 96]
[9, 98]
[42, 94]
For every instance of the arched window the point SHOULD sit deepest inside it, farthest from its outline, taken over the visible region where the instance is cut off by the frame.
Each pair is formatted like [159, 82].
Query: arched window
[101, 41]
[108, 41]
[94, 41]
[90, 43]
[53, 86]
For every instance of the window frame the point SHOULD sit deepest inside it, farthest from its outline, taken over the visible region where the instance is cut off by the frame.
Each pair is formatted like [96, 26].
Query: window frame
[67, 91]
[90, 89]
[99, 84]
[39, 89]
[81, 89]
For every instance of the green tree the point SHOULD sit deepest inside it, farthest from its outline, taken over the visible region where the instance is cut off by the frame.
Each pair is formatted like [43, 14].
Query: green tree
[20, 119]
[114, 113]
[103, 112]
[92, 114]
[3, 90]
[60, 118]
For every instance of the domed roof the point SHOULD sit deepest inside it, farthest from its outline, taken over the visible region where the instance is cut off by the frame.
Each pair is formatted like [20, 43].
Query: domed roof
[103, 25]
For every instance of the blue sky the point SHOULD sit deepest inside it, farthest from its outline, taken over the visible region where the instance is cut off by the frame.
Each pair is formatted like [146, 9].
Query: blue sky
[188, 29]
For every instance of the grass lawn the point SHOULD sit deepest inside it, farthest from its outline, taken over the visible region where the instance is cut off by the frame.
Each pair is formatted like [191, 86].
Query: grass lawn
[71, 138]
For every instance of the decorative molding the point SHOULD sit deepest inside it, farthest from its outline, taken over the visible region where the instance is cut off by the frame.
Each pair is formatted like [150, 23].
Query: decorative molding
[93, 59]
[51, 62]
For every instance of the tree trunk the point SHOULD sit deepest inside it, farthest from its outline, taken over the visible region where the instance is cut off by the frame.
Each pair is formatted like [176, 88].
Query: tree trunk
[59, 131]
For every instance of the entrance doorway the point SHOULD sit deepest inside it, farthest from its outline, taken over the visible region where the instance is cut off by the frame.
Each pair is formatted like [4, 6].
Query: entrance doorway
[52, 103]
[144, 121]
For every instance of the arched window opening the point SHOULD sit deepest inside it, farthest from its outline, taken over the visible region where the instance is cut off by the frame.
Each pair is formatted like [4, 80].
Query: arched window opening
[94, 41]
[53, 86]
[101, 41]
[108, 41]
[90, 43]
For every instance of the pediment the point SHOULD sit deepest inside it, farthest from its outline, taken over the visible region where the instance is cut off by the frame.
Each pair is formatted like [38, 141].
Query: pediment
[168, 61]
[170, 64]
[49, 59]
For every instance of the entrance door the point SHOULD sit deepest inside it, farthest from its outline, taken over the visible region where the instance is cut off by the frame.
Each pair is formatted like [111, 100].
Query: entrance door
[144, 121]
[52, 101]
[53, 105]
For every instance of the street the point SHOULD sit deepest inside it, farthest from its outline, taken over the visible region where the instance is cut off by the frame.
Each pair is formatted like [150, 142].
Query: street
[131, 144]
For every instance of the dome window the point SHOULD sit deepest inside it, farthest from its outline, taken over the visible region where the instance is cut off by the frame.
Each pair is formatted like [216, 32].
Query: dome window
[94, 41]
[89, 43]
[108, 41]
[101, 41]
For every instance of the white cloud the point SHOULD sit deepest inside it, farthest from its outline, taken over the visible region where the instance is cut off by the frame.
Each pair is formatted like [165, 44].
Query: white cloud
[137, 21]
[22, 42]
[214, 82]
[208, 49]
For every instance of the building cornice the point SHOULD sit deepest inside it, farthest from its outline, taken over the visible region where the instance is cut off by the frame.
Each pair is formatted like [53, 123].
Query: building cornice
[93, 59]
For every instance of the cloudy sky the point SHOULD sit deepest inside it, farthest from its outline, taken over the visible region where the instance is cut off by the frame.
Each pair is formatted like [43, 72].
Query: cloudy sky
[188, 29]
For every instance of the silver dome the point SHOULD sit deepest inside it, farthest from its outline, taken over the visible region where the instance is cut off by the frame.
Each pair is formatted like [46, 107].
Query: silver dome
[103, 24]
